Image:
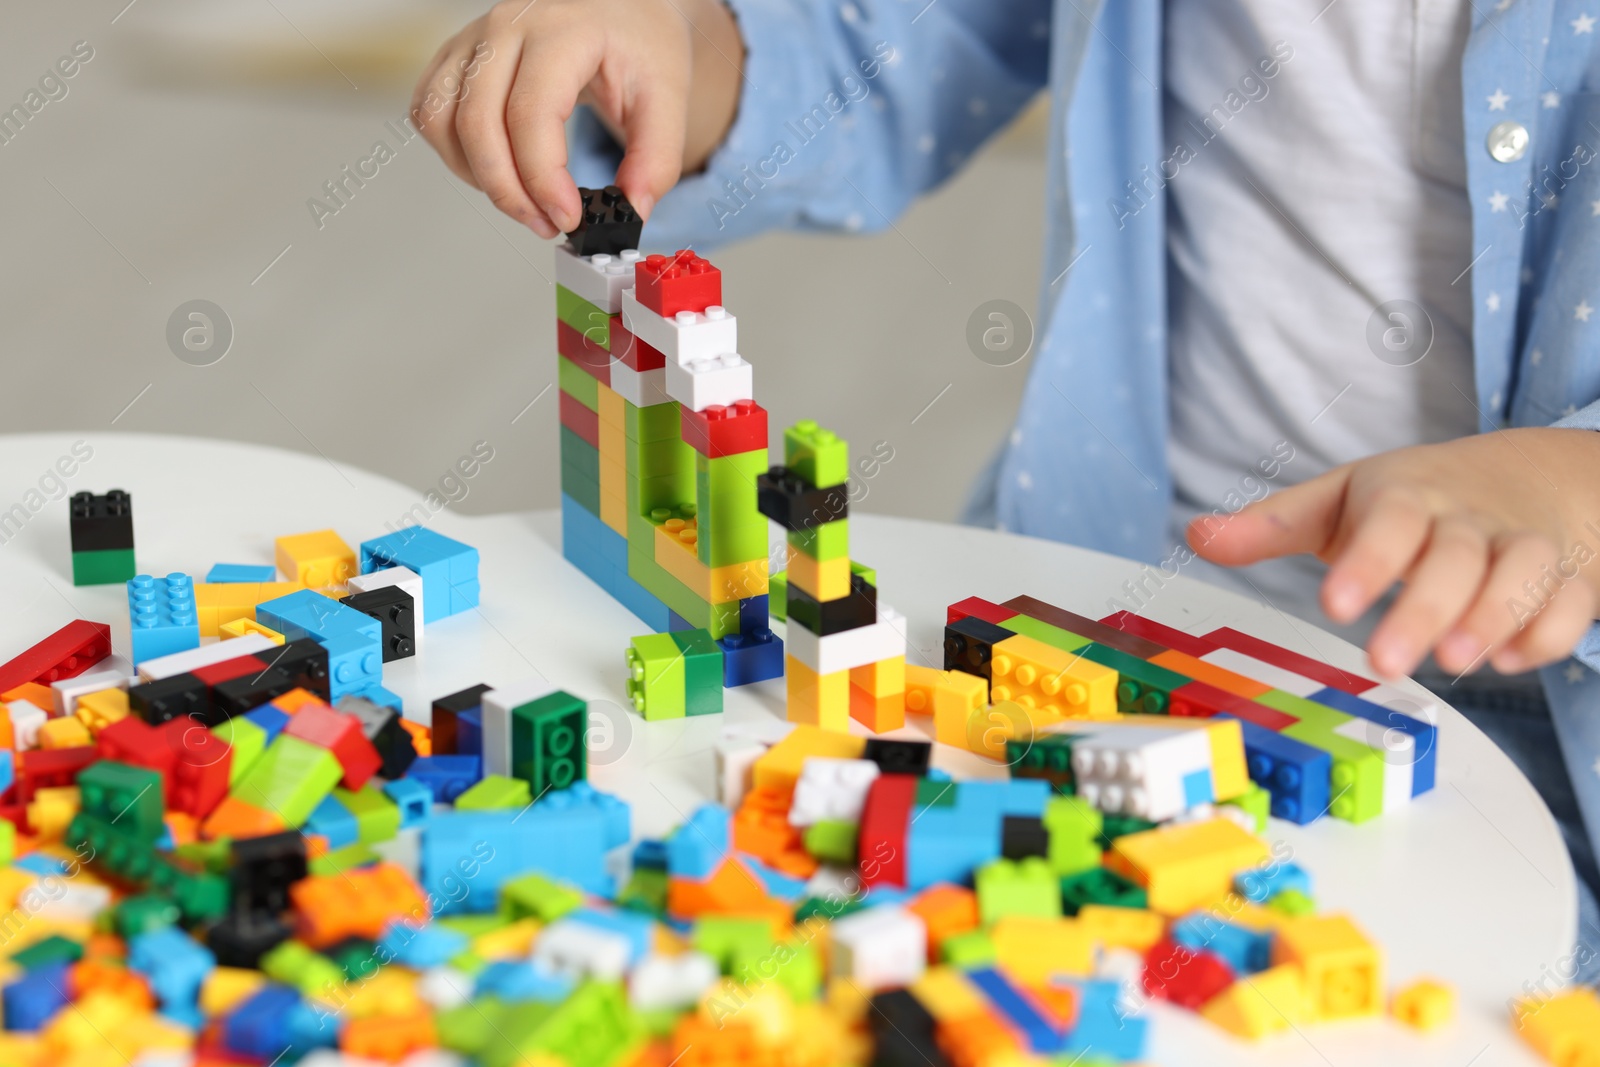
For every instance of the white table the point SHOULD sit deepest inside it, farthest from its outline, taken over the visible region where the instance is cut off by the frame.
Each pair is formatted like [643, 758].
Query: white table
[1471, 884]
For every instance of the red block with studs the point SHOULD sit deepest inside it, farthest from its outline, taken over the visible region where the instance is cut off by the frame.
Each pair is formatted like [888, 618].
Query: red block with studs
[1184, 976]
[50, 768]
[202, 762]
[725, 431]
[132, 740]
[975, 607]
[679, 282]
[634, 353]
[885, 823]
[67, 653]
[340, 734]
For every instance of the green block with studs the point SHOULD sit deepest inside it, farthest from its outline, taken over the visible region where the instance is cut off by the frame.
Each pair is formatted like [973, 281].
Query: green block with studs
[377, 817]
[1028, 887]
[1100, 886]
[534, 896]
[110, 566]
[819, 456]
[548, 749]
[495, 792]
[734, 943]
[702, 671]
[1143, 688]
[1355, 784]
[867, 574]
[1255, 802]
[1074, 826]
[832, 842]
[656, 677]
[1115, 826]
[125, 796]
[295, 964]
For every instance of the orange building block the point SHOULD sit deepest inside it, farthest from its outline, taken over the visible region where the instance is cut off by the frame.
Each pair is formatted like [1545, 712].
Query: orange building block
[699, 1042]
[761, 829]
[359, 903]
[234, 818]
[976, 1041]
[421, 736]
[108, 976]
[731, 890]
[295, 699]
[389, 1038]
[946, 910]
[1211, 674]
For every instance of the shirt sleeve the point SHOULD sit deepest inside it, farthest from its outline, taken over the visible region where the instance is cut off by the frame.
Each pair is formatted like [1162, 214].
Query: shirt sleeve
[1585, 418]
[849, 109]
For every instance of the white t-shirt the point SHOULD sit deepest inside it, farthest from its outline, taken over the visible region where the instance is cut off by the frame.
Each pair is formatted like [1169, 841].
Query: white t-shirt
[1309, 200]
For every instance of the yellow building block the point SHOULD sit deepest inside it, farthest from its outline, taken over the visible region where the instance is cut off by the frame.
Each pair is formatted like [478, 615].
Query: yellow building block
[242, 626]
[675, 553]
[613, 490]
[66, 732]
[512, 941]
[95, 1017]
[956, 699]
[22, 1050]
[779, 767]
[52, 809]
[878, 714]
[99, 710]
[389, 991]
[218, 603]
[883, 678]
[947, 994]
[1564, 1029]
[1424, 1005]
[1034, 949]
[1187, 865]
[1343, 967]
[226, 987]
[817, 699]
[920, 682]
[1260, 1004]
[823, 579]
[1230, 777]
[1053, 683]
[1241, 912]
[1111, 927]
[316, 560]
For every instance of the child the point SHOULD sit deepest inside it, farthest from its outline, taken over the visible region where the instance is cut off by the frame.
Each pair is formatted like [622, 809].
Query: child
[1345, 242]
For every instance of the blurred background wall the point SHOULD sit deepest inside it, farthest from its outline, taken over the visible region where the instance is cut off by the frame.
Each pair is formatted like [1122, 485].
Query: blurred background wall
[416, 322]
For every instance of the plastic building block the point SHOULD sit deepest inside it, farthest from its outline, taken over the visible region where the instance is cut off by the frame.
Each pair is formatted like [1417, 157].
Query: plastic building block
[718, 430]
[447, 715]
[1074, 828]
[685, 336]
[700, 844]
[899, 757]
[494, 791]
[446, 777]
[832, 790]
[448, 568]
[1186, 977]
[608, 224]
[290, 779]
[341, 735]
[1186, 865]
[598, 278]
[879, 947]
[680, 282]
[1245, 951]
[1424, 736]
[969, 645]
[392, 607]
[1035, 949]
[1156, 775]
[1344, 970]
[1428, 1005]
[249, 573]
[1295, 773]
[1304, 666]
[1023, 837]
[317, 560]
[98, 523]
[817, 455]
[1269, 1003]
[66, 653]
[1260, 885]
[1564, 1028]
[817, 699]
[824, 618]
[1051, 683]
[1026, 887]
[796, 503]
[1082, 627]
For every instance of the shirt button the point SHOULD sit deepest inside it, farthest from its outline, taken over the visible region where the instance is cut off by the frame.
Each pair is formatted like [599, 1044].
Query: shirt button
[1508, 142]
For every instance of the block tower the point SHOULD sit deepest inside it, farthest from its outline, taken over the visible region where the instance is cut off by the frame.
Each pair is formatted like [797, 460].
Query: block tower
[661, 442]
[847, 652]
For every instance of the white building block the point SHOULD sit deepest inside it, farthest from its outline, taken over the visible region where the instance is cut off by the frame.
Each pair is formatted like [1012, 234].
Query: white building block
[882, 640]
[688, 335]
[114, 672]
[735, 757]
[445, 987]
[26, 718]
[880, 948]
[1424, 706]
[1138, 771]
[831, 790]
[724, 379]
[1398, 752]
[404, 850]
[153, 670]
[834, 885]
[406, 579]
[1265, 673]
[70, 901]
[580, 950]
[671, 982]
[496, 720]
[641, 388]
[598, 279]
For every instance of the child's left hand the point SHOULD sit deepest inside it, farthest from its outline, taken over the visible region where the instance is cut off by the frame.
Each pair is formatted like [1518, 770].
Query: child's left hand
[1496, 538]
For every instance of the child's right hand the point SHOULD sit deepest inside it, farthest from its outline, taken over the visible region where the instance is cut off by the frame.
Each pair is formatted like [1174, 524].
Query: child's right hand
[662, 75]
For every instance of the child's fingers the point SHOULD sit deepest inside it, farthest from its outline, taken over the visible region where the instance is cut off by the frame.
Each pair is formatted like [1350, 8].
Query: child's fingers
[1491, 620]
[1552, 633]
[656, 125]
[481, 124]
[433, 111]
[548, 82]
[1382, 548]
[1438, 590]
[1301, 519]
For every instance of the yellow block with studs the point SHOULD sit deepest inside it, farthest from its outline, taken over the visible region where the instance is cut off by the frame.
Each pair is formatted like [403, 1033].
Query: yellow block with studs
[1424, 1005]
[1261, 1004]
[241, 626]
[1186, 865]
[316, 560]
[1057, 684]
[99, 710]
[1344, 969]
[676, 554]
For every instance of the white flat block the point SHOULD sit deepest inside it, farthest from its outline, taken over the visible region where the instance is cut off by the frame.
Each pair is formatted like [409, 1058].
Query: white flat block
[1265, 673]
[598, 279]
[496, 720]
[882, 640]
[724, 379]
[26, 718]
[880, 947]
[114, 672]
[688, 335]
[641, 388]
[1135, 771]
[671, 982]
[406, 579]
[153, 670]
[831, 790]
[580, 951]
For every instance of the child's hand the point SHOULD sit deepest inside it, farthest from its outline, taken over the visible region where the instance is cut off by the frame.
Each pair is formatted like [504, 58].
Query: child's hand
[663, 75]
[1467, 526]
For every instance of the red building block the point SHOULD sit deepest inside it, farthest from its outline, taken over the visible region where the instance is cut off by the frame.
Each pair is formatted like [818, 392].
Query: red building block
[202, 761]
[132, 740]
[885, 824]
[1184, 976]
[975, 607]
[1188, 644]
[679, 282]
[229, 669]
[587, 354]
[50, 768]
[67, 653]
[1098, 632]
[725, 431]
[1267, 652]
[340, 734]
[580, 420]
[633, 352]
[1197, 700]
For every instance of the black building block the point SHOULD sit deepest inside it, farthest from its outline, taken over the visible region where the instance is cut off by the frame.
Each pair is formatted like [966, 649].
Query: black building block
[447, 711]
[182, 696]
[969, 645]
[795, 504]
[899, 757]
[381, 726]
[98, 523]
[609, 224]
[239, 696]
[263, 870]
[396, 612]
[1022, 836]
[241, 940]
[824, 617]
[306, 663]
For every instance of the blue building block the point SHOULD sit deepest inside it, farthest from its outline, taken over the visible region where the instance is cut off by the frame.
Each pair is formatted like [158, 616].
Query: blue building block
[30, 1001]
[676, 623]
[1197, 788]
[413, 798]
[521, 980]
[334, 821]
[1260, 884]
[272, 720]
[1103, 1029]
[754, 614]
[751, 656]
[226, 573]
[1246, 951]
[637, 928]
[777, 883]
[469, 732]
[422, 947]
[175, 964]
[650, 855]
[447, 777]
[1041, 1033]
[1295, 773]
[8, 769]
[448, 568]
[161, 616]
[698, 847]
[616, 816]
[353, 639]
[601, 553]
[1426, 735]
[260, 1026]
[355, 664]
[943, 845]
[466, 856]
[1025, 797]
[313, 1026]
[40, 864]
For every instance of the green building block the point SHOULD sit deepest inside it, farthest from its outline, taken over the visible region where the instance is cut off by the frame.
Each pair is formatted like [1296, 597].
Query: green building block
[656, 677]
[645, 892]
[118, 851]
[344, 859]
[1355, 785]
[213, 856]
[8, 841]
[1018, 887]
[834, 842]
[970, 949]
[52, 949]
[290, 779]
[819, 456]
[867, 574]
[1309, 712]
[356, 957]
[586, 318]
[537, 897]
[702, 666]
[593, 1027]
[932, 793]
[469, 1028]
[734, 943]
[200, 895]
[495, 792]
[799, 970]
[578, 383]
[1054, 636]
[145, 914]
[731, 526]
[1292, 902]
[1115, 826]
[1074, 826]
[247, 740]
[579, 455]
[1255, 802]
[1100, 886]
[1047, 757]
[548, 749]
[295, 964]
[377, 817]
[653, 422]
[778, 596]
[824, 542]
[1143, 688]
[111, 566]
[125, 796]
[827, 909]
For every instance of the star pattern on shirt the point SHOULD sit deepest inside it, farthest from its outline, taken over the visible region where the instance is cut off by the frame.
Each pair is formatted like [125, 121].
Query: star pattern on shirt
[1583, 311]
[1536, 357]
[1504, 5]
[1550, 99]
[1492, 302]
[1499, 200]
[1583, 24]
[1574, 673]
[1499, 100]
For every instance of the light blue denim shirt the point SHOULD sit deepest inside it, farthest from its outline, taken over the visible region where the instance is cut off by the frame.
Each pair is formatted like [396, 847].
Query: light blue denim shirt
[851, 108]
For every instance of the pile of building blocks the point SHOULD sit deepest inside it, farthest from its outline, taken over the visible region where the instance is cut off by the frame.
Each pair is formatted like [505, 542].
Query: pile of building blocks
[102, 537]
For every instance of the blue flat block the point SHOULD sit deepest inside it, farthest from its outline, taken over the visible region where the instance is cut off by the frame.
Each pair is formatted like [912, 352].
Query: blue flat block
[259, 1026]
[752, 656]
[601, 553]
[1260, 884]
[638, 929]
[1295, 773]
[355, 664]
[1041, 1033]
[270, 719]
[650, 855]
[161, 616]
[40, 864]
[1102, 1029]
[334, 821]
[946, 844]
[754, 614]
[447, 777]
[422, 947]
[413, 798]
[615, 814]
[777, 883]
[449, 569]
[520, 980]
[466, 856]
[1246, 951]
[1019, 796]
[1426, 735]
[1197, 788]
[699, 846]
[31, 1000]
[229, 573]
[307, 613]
[175, 964]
